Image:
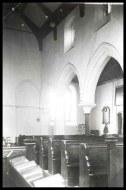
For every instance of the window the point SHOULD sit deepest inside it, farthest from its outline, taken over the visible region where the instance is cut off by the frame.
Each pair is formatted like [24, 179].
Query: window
[70, 106]
[119, 96]
[69, 34]
[52, 105]
[102, 15]
[107, 9]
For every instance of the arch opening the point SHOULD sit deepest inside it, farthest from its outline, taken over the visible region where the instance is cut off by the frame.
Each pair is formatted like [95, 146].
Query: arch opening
[73, 113]
[111, 78]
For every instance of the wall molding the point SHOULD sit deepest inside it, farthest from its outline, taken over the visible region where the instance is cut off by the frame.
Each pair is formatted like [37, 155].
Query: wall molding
[18, 106]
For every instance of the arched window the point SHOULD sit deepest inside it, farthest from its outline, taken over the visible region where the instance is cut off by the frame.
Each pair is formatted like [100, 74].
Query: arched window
[107, 8]
[102, 15]
[69, 34]
[70, 100]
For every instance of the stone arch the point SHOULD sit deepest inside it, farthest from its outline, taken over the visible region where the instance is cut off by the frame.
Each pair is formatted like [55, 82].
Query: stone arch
[31, 89]
[96, 65]
[67, 74]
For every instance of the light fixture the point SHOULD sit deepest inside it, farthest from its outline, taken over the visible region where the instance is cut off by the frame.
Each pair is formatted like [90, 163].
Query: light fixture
[13, 9]
[61, 10]
[46, 16]
[52, 24]
[38, 119]
[106, 118]
[22, 25]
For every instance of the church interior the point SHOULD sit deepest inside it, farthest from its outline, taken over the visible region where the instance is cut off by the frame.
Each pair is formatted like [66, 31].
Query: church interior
[62, 94]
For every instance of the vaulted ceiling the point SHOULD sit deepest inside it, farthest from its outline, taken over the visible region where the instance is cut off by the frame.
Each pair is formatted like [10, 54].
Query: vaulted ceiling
[38, 18]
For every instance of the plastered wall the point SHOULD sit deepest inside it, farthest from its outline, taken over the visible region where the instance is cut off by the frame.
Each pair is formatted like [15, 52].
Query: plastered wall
[21, 83]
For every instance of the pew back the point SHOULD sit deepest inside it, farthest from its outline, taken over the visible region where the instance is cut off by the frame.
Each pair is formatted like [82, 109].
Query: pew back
[70, 152]
[43, 153]
[54, 156]
[115, 157]
[93, 165]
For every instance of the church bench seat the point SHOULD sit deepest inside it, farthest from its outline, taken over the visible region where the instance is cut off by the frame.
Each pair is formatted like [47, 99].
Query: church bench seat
[53, 161]
[70, 159]
[43, 153]
[97, 165]
[93, 164]
[115, 159]
[50, 151]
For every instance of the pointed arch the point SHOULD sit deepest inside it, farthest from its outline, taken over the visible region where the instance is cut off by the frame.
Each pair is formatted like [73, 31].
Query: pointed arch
[67, 74]
[27, 93]
[96, 65]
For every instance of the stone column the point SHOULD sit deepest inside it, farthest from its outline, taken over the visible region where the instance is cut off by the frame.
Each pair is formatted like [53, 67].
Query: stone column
[87, 110]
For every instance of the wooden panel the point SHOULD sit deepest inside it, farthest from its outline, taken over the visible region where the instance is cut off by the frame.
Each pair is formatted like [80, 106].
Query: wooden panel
[93, 165]
[116, 165]
[70, 152]
[54, 156]
[54, 150]
[43, 153]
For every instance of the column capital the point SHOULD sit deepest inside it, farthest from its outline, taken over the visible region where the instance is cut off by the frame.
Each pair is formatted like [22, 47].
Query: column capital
[87, 107]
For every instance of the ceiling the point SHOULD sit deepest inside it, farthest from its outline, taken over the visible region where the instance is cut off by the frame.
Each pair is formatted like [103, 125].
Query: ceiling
[38, 18]
[12, 19]
[111, 71]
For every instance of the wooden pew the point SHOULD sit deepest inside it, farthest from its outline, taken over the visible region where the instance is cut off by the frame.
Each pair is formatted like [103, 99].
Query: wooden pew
[54, 156]
[93, 171]
[30, 149]
[43, 152]
[70, 151]
[44, 160]
[54, 151]
[35, 148]
[101, 165]
[115, 159]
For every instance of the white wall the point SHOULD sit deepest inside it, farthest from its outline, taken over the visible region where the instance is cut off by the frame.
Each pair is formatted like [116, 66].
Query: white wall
[21, 62]
[105, 96]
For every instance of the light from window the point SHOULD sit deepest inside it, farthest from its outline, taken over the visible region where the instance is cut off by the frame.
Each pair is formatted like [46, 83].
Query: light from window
[71, 106]
[69, 34]
[67, 106]
[107, 8]
[52, 105]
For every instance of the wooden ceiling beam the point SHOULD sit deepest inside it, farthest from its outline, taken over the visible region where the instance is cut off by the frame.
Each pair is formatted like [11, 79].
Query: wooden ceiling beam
[31, 25]
[23, 7]
[47, 11]
[59, 16]
[34, 29]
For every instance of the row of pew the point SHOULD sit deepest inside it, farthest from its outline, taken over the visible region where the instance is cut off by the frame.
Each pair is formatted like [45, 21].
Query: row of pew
[82, 161]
